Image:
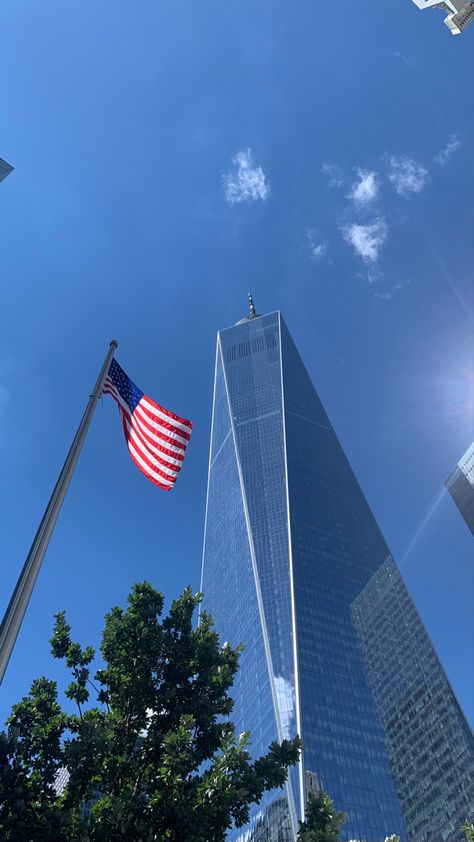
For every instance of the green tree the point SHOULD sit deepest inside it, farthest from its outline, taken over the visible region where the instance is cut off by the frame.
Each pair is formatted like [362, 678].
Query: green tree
[468, 830]
[323, 823]
[158, 759]
[30, 758]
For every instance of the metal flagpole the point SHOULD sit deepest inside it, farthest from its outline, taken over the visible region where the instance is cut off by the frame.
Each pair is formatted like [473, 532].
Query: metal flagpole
[18, 604]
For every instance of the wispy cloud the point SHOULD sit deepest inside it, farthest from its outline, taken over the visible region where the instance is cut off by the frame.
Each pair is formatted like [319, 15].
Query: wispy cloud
[387, 294]
[334, 175]
[319, 251]
[365, 189]
[398, 54]
[407, 175]
[373, 276]
[4, 400]
[247, 182]
[318, 248]
[367, 240]
[454, 143]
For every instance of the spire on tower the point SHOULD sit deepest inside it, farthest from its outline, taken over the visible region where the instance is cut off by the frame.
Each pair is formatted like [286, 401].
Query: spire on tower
[252, 310]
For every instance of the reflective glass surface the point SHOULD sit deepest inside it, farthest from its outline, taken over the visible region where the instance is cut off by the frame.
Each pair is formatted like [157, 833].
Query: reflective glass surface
[336, 547]
[431, 745]
[231, 596]
[460, 485]
[290, 545]
[251, 357]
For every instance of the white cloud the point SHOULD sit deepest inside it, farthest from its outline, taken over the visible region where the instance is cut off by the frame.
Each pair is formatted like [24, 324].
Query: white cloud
[367, 240]
[366, 189]
[387, 294]
[401, 56]
[452, 146]
[374, 277]
[4, 400]
[247, 182]
[407, 175]
[371, 275]
[285, 694]
[318, 249]
[334, 174]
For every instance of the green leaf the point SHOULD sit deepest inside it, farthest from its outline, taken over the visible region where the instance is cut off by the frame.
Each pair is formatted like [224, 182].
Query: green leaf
[160, 760]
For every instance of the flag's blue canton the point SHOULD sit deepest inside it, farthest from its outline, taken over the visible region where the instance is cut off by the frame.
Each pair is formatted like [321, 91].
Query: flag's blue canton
[130, 393]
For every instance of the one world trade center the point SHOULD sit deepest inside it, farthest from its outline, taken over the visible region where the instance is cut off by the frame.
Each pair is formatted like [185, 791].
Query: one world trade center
[296, 568]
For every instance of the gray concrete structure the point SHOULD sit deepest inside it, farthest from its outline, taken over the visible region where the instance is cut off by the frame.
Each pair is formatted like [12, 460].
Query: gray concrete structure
[460, 12]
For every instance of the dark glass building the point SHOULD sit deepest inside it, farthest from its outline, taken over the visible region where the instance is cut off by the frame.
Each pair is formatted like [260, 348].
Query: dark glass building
[460, 485]
[5, 169]
[290, 544]
[431, 746]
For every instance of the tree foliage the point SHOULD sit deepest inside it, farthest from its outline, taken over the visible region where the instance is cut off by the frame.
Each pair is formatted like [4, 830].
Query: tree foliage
[323, 823]
[157, 759]
[468, 830]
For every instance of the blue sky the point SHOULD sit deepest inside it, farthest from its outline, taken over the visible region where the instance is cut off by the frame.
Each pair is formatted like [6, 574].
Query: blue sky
[170, 156]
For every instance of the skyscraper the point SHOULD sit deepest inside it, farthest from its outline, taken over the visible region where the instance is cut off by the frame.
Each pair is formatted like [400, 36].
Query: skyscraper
[290, 544]
[460, 12]
[431, 746]
[5, 169]
[460, 485]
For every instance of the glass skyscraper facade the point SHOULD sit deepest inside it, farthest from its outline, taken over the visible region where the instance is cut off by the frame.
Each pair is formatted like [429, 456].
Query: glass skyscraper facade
[431, 746]
[460, 485]
[5, 169]
[290, 544]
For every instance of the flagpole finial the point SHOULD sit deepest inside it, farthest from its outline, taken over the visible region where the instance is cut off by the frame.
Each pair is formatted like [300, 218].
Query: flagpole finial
[114, 343]
[252, 311]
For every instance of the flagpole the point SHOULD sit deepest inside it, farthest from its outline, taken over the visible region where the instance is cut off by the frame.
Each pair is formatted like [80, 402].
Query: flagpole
[18, 604]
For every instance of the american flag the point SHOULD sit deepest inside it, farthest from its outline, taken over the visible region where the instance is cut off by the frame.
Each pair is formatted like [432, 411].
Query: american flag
[156, 438]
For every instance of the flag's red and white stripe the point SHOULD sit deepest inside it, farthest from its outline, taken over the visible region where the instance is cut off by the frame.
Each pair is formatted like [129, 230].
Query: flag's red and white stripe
[156, 438]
